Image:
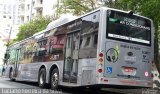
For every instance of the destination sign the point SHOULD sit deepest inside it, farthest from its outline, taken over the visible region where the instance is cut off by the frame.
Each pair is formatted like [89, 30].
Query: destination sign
[133, 22]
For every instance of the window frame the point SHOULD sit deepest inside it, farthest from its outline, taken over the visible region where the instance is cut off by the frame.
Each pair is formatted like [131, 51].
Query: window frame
[124, 40]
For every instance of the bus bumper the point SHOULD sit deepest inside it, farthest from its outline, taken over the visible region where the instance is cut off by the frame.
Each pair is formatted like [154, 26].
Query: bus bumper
[130, 83]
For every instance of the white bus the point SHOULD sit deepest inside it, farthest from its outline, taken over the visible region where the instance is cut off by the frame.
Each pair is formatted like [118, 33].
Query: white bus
[104, 48]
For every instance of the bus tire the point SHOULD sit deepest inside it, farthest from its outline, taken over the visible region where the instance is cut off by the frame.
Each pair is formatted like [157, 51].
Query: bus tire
[42, 78]
[54, 79]
[11, 75]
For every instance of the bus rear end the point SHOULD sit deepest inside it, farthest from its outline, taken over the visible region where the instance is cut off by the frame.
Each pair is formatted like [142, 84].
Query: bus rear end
[126, 50]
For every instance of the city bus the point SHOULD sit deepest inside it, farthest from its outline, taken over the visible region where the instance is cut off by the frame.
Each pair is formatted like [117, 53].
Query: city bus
[104, 48]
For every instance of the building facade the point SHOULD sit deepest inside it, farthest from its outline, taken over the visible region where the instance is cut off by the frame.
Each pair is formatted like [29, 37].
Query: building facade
[8, 23]
[31, 8]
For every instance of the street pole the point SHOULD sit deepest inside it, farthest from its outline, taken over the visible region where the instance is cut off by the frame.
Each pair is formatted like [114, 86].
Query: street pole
[57, 12]
[31, 10]
[6, 54]
[9, 36]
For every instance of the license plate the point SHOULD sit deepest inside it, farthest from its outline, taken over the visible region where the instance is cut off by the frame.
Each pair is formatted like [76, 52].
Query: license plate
[129, 70]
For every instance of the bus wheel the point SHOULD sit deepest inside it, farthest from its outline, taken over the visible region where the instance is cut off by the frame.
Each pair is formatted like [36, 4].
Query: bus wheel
[42, 78]
[54, 79]
[11, 75]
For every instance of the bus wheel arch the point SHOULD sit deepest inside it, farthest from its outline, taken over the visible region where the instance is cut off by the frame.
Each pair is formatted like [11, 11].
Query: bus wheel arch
[42, 76]
[54, 77]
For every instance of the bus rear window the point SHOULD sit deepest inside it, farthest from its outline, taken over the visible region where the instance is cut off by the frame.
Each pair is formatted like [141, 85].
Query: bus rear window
[129, 28]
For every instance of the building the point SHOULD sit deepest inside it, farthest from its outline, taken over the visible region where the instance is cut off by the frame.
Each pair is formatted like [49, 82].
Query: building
[31, 8]
[9, 23]
[9, 18]
[13, 13]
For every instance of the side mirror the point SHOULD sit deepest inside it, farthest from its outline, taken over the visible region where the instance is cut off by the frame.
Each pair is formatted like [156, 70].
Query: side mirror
[130, 13]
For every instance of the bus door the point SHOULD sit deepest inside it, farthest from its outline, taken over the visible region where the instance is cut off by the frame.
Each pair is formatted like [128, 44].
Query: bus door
[16, 65]
[71, 58]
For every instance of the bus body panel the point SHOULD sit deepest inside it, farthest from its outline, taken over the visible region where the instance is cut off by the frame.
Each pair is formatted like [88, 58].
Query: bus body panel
[123, 63]
[29, 72]
[127, 61]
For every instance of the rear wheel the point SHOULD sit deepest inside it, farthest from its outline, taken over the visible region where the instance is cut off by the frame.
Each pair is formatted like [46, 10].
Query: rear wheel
[54, 79]
[42, 78]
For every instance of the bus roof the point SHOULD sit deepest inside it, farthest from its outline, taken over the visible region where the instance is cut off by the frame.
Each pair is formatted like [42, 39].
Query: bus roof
[63, 19]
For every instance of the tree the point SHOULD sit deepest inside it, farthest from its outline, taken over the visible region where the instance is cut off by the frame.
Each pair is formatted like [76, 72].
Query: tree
[37, 24]
[79, 7]
[111, 3]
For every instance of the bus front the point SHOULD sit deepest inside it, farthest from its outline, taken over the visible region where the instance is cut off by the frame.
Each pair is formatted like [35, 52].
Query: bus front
[126, 50]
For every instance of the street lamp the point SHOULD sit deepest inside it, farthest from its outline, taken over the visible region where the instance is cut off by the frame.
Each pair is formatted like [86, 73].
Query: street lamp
[6, 56]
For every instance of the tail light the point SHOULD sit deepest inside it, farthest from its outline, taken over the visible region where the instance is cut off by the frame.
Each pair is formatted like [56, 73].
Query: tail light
[101, 57]
[100, 54]
[100, 60]
[100, 70]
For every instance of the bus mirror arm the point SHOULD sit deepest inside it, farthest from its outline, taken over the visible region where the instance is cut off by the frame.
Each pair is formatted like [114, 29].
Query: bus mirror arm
[7, 56]
[130, 13]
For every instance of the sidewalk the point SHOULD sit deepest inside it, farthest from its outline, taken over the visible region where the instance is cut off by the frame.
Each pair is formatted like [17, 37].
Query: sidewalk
[156, 79]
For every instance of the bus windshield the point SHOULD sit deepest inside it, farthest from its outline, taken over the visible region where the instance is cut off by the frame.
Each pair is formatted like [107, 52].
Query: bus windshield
[126, 27]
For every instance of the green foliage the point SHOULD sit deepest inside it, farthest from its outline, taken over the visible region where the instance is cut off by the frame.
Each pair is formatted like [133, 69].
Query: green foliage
[11, 42]
[112, 3]
[37, 24]
[78, 7]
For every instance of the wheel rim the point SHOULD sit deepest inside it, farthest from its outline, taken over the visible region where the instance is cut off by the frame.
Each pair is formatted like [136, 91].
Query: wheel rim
[55, 79]
[41, 79]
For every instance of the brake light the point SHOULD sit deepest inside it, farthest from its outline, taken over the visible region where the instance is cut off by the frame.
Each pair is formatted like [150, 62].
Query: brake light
[100, 60]
[101, 79]
[100, 54]
[100, 70]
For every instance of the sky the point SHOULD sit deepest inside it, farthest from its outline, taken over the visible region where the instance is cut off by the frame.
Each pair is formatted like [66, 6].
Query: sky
[7, 1]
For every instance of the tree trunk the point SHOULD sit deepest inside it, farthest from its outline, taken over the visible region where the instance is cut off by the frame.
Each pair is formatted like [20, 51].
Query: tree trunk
[156, 48]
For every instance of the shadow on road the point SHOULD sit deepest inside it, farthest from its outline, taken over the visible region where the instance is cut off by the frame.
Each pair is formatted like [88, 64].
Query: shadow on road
[66, 90]
[25, 83]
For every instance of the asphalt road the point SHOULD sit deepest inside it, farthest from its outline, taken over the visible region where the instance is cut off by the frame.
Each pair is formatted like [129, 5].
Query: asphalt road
[10, 87]
[19, 87]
